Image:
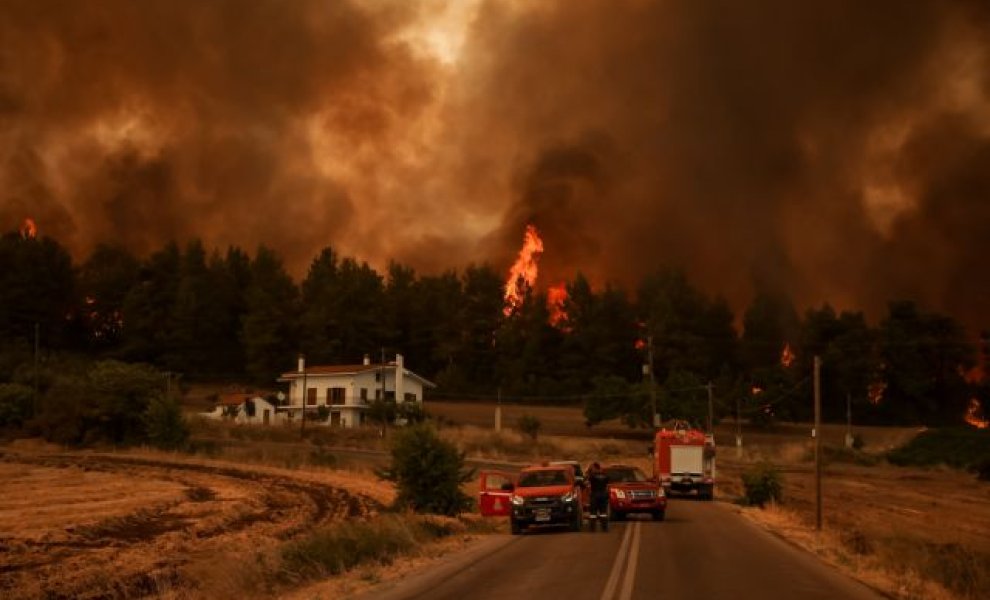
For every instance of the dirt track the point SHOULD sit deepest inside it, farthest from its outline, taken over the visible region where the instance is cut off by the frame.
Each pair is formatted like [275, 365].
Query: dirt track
[102, 525]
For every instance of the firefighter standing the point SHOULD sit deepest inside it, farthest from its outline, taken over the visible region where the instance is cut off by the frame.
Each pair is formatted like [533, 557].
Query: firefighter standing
[598, 482]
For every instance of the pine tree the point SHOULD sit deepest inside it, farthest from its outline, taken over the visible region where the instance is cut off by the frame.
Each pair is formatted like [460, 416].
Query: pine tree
[270, 330]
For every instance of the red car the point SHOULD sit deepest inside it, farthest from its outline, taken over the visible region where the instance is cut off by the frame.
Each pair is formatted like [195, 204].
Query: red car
[547, 495]
[631, 491]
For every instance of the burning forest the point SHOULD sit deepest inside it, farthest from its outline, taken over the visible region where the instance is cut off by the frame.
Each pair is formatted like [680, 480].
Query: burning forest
[634, 135]
[666, 183]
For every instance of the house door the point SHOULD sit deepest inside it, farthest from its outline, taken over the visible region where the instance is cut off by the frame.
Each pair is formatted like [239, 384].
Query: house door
[335, 419]
[266, 416]
[493, 498]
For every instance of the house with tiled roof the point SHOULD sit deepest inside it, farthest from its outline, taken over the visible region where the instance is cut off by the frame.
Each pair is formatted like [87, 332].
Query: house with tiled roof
[246, 408]
[344, 392]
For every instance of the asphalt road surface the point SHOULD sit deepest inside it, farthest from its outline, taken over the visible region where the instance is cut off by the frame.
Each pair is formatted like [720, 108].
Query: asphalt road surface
[702, 551]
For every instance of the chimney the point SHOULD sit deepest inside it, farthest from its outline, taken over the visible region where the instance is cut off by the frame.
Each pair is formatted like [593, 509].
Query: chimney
[399, 372]
[302, 363]
[367, 360]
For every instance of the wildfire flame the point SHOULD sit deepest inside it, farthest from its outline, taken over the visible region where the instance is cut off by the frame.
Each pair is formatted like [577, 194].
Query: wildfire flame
[556, 296]
[524, 271]
[974, 375]
[974, 415]
[29, 230]
[874, 392]
[787, 356]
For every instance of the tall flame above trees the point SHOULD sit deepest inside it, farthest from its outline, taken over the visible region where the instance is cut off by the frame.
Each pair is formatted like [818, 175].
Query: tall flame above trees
[787, 356]
[29, 230]
[523, 273]
[975, 416]
[556, 296]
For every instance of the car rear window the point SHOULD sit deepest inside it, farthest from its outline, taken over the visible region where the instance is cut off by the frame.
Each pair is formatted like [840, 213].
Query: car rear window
[543, 478]
[624, 475]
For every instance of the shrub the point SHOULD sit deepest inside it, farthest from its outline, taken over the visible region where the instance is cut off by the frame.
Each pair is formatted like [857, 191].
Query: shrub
[529, 425]
[983, 470]
[166, 428]
[16, 404]
[321, 457]
[428, 472]
[105, 401]
[411, 412]
[957, 447]
[338, 549]
[762, 484]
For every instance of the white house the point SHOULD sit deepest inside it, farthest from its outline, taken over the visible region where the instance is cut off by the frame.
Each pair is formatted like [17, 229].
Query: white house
[346, 390]
[243, 408]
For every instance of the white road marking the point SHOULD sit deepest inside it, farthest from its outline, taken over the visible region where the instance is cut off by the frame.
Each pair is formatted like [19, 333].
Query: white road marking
[627, 584]
[628, 548]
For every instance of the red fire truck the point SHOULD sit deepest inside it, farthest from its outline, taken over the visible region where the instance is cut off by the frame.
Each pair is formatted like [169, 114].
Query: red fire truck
[684, 461]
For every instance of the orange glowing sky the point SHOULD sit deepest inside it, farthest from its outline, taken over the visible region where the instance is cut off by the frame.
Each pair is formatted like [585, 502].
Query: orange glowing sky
[840, 152]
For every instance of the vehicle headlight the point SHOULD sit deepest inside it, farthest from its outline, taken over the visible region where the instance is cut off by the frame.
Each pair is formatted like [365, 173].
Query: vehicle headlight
[517, 500]
[619, 494]
[569, 496]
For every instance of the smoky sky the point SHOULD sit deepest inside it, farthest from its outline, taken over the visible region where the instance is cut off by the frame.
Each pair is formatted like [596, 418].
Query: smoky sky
[835, 150]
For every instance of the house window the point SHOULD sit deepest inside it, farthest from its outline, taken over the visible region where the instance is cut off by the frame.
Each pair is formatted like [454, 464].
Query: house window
[364, 394]
[378, 394]
[336, 395]
[410, 397]
[310, 396]
[378, 376]
[390, 395]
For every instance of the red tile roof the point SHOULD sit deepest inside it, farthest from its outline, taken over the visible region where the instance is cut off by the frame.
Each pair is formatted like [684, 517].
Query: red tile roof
[235, 398]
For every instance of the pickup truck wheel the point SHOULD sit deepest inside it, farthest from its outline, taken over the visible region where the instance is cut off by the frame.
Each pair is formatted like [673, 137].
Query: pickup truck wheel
[618, 516]
[577, 522]
[514, 527]
[659, 515]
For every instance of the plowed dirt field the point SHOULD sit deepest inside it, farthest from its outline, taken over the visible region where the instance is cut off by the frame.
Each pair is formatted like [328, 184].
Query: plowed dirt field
[76, 525]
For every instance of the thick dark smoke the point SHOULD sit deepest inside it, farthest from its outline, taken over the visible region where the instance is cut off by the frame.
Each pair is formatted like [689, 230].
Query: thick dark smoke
[837, 150]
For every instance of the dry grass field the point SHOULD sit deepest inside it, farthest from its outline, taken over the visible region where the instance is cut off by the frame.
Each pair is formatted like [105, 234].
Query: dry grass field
[133, 524]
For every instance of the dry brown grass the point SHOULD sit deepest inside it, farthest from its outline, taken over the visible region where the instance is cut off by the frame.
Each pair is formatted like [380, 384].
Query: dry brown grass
[913, 533]
[128, 524]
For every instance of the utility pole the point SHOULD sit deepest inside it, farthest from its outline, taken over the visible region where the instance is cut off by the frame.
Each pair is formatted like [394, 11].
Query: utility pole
[498, 411]
[738, 429]
[849, 421]
[302, 402]
[818, 444]
[37, 351]
[711, 405]
[384, 404]
[655, 419]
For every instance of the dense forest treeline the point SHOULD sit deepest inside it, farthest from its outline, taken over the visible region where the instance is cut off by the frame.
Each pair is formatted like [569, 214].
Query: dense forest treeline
[234, 317]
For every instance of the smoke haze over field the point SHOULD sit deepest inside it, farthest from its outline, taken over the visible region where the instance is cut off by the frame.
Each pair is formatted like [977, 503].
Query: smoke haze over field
[838, 150]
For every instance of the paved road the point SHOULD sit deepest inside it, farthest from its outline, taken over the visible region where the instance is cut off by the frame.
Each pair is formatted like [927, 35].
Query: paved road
[702, 551]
